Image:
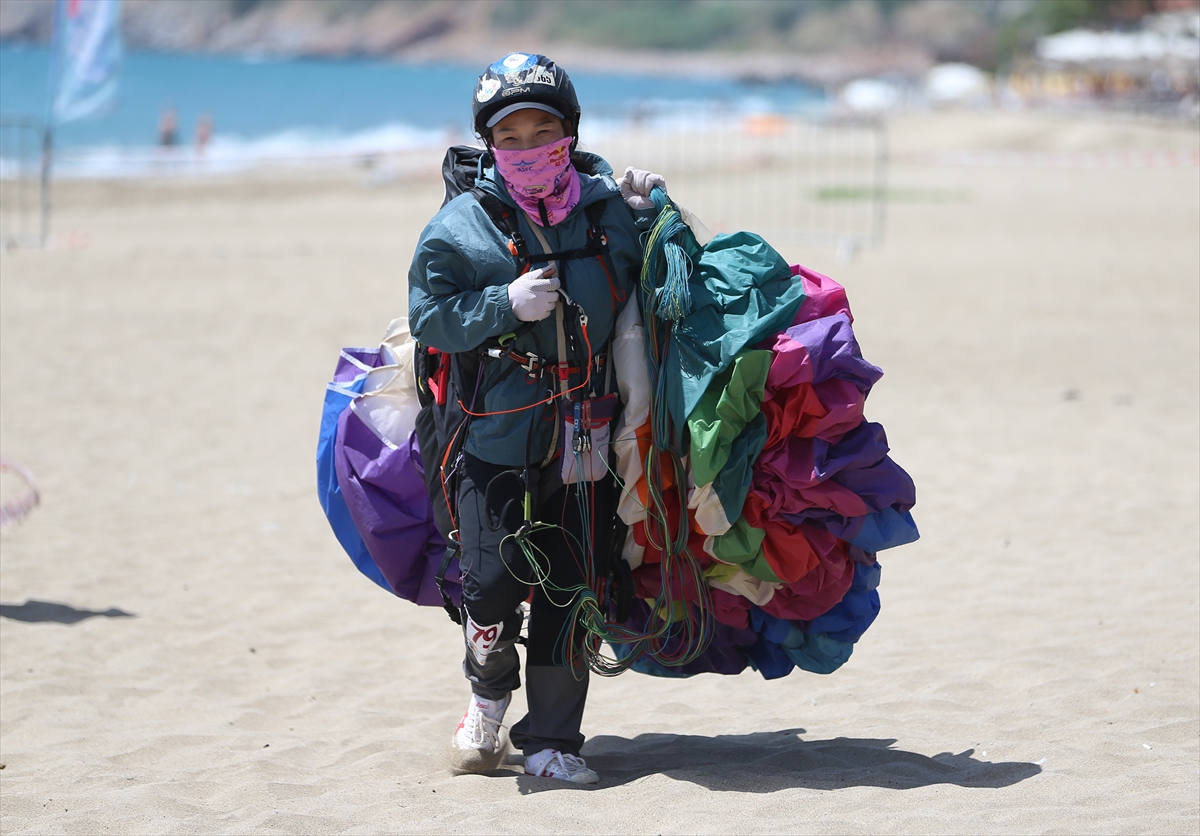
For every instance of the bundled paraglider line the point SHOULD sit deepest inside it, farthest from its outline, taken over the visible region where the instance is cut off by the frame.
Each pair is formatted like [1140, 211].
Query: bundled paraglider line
[665, 298]
[679, 632]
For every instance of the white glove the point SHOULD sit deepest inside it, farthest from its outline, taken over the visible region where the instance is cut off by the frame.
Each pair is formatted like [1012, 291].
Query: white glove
[533, 295]
[636, 186]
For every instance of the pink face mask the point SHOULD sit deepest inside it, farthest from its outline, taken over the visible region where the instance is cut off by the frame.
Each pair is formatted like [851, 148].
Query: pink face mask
[541, 175]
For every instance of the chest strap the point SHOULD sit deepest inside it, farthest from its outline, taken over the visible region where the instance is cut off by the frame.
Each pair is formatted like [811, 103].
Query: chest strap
[504, 218]
[535, 365]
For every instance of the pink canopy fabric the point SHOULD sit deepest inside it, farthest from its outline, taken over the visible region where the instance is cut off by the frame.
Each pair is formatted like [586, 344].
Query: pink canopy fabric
[822, 296]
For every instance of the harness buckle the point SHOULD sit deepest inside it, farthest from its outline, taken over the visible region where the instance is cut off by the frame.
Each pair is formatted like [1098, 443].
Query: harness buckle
[596, 233]
[516, 246]
[532, 363]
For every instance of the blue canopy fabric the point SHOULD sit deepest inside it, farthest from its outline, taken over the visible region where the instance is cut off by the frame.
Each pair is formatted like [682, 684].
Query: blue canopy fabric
[348, 378]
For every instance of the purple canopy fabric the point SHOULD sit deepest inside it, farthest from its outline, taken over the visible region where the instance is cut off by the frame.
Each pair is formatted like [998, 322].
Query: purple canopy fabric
[882, 485]
[804, 479]
[353, 363]
[783, 484]
[843, 528]
[730, 609]
[804, 462]
[818, 350]
[818, 381]
[385, 492]
[863, 446]
[884, 529]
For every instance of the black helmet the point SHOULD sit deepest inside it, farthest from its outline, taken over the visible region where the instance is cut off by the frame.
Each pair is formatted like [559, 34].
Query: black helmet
[520, 80]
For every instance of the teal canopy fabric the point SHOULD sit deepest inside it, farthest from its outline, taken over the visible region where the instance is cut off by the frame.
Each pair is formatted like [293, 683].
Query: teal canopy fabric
[742, 292]
[733, 482]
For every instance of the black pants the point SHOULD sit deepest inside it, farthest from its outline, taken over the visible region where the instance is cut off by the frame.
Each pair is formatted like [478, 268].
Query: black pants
[497, 577]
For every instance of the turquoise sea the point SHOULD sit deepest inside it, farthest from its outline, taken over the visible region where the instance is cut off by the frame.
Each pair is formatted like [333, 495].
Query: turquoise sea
[298, 108]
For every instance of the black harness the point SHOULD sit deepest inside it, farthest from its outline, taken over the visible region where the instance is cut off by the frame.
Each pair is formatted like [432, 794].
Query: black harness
[504, 218]
[445, 382]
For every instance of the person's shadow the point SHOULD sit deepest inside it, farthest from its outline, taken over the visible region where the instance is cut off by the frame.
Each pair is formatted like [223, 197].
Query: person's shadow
[38, 611]
[772, 761]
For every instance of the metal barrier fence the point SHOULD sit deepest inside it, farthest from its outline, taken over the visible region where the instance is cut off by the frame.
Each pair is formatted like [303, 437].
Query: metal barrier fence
[794, 181]
[24, 200]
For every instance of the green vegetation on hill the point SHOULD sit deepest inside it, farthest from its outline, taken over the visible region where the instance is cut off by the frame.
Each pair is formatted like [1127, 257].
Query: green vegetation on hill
[984, 32]
[667, 24]
[748, 24]
[987, 33]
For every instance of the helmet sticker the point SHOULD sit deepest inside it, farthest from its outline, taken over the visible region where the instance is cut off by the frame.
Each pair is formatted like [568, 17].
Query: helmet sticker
[488, 87]
[537, 74]
[516, 61]
[515, 91]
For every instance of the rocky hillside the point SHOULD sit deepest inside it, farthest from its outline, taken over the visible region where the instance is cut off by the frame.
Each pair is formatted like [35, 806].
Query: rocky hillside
[822, 41]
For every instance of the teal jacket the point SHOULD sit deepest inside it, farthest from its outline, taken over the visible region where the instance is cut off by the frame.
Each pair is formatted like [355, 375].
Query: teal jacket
[458, 301]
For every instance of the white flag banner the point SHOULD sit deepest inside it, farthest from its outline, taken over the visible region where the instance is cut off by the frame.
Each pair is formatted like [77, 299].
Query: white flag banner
[87, 56]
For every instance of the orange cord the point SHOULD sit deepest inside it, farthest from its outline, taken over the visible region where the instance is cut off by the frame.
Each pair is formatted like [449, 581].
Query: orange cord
[586, 380]
[446, 455]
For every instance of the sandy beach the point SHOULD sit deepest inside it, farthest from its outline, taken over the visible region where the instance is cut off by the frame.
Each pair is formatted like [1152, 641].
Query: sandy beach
[184, 647]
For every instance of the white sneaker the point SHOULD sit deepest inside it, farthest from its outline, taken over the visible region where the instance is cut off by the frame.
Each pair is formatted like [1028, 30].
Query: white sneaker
[551, 763]
[477, 744]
